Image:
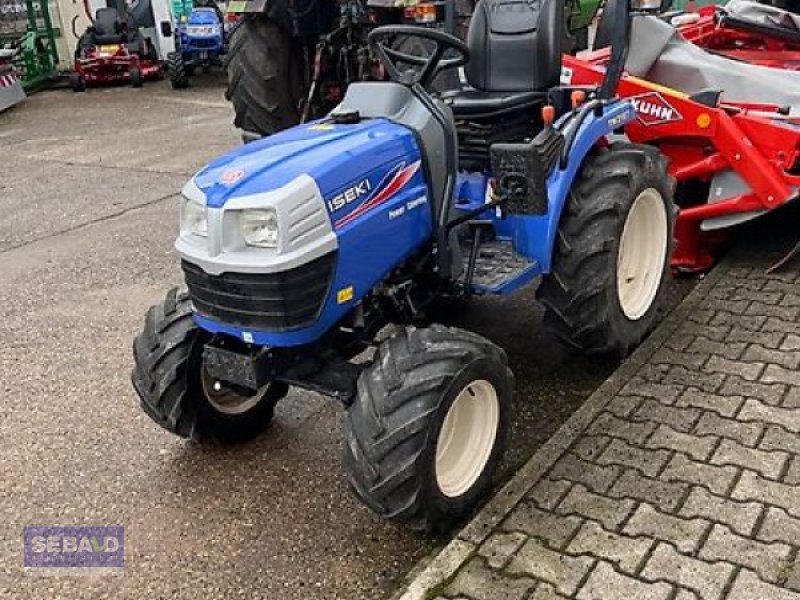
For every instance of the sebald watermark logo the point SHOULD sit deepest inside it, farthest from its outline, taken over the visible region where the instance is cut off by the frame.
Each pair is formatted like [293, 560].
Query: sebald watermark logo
[74, 550]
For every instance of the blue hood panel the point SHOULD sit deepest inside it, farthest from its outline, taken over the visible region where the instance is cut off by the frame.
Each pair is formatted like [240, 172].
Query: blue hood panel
[203, 16]
[334, 155]
[373, 186]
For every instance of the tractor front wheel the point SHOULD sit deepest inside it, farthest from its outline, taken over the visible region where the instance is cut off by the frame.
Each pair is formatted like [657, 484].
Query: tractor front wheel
[265, 76]
[610, 268]
[178, 73]
[177, 392]
[428, 428]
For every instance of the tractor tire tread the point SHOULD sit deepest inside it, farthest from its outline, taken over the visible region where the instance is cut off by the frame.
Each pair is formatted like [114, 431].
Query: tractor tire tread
[386, 427]
[262, 76]
[176, 68]
[161, 353]
[575, 292]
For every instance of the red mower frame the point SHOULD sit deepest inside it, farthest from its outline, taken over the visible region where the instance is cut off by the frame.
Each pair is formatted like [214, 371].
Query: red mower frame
[757, 141]
[100, 67]
[754, 44]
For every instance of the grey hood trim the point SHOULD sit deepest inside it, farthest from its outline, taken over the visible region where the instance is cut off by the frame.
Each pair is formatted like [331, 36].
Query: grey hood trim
[305, 228]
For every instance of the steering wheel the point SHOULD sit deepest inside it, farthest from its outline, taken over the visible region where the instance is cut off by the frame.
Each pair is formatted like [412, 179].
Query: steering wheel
[380, 37]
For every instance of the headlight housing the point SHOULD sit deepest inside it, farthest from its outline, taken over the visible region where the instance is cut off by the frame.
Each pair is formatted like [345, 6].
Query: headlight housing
[194, 218]
[260, 227]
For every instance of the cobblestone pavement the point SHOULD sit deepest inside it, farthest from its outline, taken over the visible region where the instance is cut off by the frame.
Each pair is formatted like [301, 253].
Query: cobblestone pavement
[677, 480]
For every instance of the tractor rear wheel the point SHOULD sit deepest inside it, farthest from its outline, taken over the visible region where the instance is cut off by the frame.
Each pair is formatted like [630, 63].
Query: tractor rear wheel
[178, 74]
[428, 428]
[178, 393]
[265, 76]
[611, 263]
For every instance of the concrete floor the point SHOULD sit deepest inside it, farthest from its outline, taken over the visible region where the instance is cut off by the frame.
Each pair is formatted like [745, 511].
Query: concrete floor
[88, 198]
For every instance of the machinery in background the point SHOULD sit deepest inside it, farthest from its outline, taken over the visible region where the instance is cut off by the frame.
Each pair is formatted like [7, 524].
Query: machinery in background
[292, 60]
[746, 31]
[11, 91]
[27, 41]
[150, 17]
[113, 50]
[731, 130]
[200, 40]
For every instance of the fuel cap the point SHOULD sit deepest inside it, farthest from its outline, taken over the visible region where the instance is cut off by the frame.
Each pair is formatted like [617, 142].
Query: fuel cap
[346, 117]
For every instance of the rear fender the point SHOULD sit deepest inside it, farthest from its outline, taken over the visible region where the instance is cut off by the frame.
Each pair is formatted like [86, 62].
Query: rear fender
[534, 236]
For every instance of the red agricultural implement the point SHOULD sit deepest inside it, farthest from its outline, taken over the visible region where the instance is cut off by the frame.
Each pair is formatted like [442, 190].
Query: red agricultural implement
[748, 31]
[729, 129]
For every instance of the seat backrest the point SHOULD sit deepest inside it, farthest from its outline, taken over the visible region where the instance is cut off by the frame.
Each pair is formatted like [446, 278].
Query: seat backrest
[516, 45]
[106, 21]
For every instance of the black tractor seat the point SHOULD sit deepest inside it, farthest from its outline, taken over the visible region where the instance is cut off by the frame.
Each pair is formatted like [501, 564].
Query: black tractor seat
[111, 28]
[108, 28]
[515, 48]
[476, 104]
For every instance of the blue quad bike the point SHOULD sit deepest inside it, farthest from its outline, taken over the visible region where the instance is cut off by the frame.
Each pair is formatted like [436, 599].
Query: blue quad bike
[199, 43]
[316, 257]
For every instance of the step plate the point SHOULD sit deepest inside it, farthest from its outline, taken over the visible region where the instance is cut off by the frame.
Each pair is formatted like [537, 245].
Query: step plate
[499, 269]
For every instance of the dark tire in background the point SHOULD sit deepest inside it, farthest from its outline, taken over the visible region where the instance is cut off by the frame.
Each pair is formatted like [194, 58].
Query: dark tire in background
[265, 76]
[136, 77]
[77, 83]
[176, 68]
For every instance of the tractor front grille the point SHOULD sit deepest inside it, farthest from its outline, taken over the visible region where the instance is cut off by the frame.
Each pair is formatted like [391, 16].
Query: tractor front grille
[276, 302]
[202, 44]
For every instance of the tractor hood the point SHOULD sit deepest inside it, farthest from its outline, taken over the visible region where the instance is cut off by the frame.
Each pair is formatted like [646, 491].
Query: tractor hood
[203, 16]
[345, 201]
[333, 155]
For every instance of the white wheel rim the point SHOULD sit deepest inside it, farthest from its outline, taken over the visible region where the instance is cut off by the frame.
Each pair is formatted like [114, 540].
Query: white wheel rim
[642, 254]
[467, 438]
[226, 400]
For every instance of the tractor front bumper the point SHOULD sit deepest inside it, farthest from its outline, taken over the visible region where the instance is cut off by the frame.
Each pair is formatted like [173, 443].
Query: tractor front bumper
[248, 291]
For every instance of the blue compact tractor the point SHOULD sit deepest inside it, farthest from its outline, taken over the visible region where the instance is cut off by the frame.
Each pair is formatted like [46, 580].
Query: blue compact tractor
[314, 258]
[199, 43]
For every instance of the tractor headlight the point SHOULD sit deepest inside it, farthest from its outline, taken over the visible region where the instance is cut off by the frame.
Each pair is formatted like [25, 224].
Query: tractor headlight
[195, 218]
[260, 228]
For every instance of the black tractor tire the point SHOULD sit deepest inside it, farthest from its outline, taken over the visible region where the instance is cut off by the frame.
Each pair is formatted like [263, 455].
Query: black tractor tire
[581, 40]
[168, 377]
[178, 74]
[392, 429]
[581, 294]
[265, 76]
[77, 83]
[136, 77]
